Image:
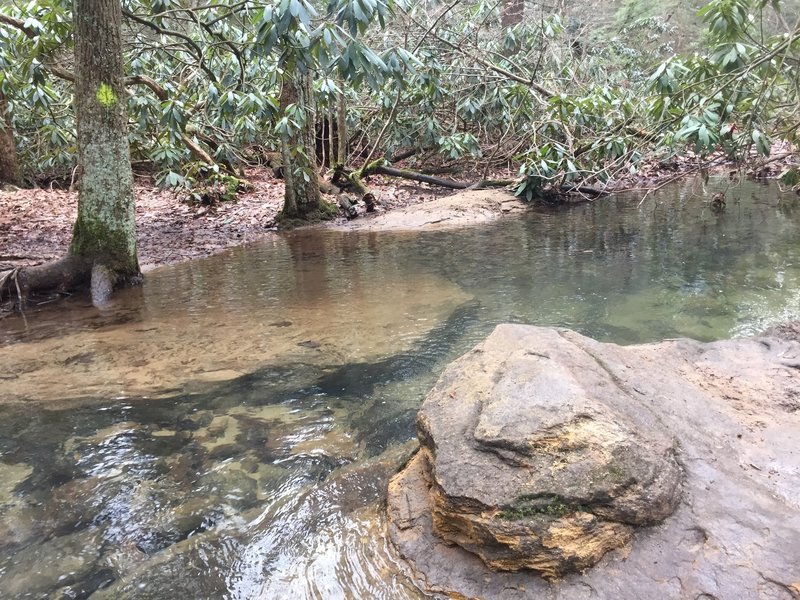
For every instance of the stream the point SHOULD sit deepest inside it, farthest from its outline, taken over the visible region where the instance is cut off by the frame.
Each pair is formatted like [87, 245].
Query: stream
[227, 429]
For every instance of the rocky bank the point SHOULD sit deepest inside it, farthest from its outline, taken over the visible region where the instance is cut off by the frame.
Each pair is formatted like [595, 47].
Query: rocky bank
[555, 466]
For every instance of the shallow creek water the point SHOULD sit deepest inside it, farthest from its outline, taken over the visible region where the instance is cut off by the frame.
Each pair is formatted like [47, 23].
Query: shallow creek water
[227, 430]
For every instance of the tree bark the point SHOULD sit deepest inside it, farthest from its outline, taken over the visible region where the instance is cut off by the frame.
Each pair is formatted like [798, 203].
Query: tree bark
[104, 234]
[103, 248]
[9, 166]
[511, 13]
[302, 199]
[341, 129]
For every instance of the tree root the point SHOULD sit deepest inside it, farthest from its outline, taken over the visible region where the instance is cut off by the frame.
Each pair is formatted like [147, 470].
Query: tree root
[60, 275]
[66, 274]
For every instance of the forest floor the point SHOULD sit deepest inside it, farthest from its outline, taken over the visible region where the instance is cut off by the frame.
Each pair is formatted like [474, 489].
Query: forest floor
[36, 224]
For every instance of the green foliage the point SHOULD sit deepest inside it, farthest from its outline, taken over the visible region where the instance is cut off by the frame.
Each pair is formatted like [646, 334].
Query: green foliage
[205, 185]
[790, 177]
[726, 19]
[732, 97]
[210, 73]
[562, 102]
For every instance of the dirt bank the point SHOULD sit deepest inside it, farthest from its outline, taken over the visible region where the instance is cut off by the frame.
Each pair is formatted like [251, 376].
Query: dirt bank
[36, 225]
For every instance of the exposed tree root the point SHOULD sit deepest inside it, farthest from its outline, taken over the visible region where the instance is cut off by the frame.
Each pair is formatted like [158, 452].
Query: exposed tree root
[10, 279]
[67, 274]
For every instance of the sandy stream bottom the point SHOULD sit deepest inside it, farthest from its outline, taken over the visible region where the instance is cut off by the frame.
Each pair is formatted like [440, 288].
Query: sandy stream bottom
[166, 353]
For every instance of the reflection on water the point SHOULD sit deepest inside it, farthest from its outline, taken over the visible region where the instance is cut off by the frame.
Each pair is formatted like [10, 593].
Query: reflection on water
[227, 430]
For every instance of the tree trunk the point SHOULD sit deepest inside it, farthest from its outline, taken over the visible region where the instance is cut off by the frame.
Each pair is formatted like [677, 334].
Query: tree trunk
[511, 13]
[103, 247]
[302, 199]
[9, 166]
[104, 236]
[341, 129]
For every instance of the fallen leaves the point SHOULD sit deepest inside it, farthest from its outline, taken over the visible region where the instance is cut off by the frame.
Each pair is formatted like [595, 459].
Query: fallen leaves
[36, 224]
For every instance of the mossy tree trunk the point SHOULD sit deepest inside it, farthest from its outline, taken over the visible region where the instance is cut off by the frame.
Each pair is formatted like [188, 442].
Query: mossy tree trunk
[104, 235]
[302, 200]
[103, 248]
[9, 166]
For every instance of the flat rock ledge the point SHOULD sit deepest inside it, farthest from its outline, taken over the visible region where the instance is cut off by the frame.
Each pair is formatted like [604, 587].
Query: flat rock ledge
[555, 466]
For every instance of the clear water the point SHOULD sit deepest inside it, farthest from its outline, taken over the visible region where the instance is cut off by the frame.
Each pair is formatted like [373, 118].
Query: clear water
[227, 430]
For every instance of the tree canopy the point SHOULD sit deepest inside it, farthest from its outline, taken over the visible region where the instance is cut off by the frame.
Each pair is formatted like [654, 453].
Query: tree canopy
[562, 96]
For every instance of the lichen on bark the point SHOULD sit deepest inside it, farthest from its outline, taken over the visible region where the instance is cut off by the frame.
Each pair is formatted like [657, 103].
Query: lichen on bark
[104, 231]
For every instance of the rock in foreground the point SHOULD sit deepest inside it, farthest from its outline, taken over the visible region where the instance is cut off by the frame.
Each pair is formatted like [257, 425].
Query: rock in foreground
[544, 453]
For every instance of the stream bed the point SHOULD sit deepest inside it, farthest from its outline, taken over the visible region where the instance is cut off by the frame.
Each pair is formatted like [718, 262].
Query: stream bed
[227, 429]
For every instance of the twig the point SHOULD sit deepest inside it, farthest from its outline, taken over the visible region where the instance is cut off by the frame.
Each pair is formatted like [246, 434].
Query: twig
[13, 275]
[672, 179]
[19, 295]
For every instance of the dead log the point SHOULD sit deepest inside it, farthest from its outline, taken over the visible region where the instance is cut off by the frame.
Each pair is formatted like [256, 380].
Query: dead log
[583, 189]
[421, 177]
[64, 275]
[403, 154]
[348, 205]
[447, 183]
[379, 167]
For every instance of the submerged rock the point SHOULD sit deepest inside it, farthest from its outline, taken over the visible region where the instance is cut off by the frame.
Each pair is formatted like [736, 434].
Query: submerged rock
[544, 453]
[39, 569]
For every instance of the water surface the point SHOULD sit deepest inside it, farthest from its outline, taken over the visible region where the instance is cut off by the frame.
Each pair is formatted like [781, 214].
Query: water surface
[227, 430]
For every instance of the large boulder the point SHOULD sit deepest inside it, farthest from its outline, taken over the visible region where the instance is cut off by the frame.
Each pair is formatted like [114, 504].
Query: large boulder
[554, 464]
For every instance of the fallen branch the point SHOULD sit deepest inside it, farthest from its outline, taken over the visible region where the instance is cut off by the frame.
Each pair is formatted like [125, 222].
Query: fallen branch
[4, 257]
[402, 155]
[379, 167]
[415, 176]
[423, 178]
[583, 189]
[440, 170]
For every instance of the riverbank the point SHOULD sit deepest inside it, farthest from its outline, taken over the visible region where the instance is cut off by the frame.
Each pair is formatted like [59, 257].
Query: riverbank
[36, 224]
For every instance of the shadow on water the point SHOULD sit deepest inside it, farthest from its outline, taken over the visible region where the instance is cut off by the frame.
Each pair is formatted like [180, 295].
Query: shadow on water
[25, 437]
[267, 482]
[236, 445]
